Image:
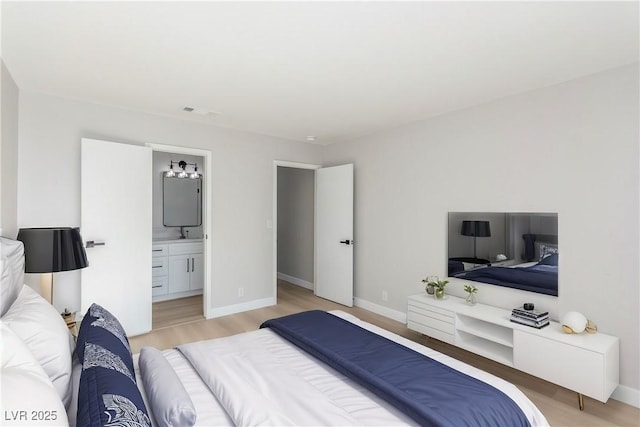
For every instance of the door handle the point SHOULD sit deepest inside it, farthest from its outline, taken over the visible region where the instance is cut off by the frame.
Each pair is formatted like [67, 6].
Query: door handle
[93, 243]
[346, 242]
[192, 269]
[187, 265]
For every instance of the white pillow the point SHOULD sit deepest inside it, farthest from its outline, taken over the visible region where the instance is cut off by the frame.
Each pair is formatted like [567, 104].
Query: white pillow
[28, 396]
[11, 272]
[169, 400]
[46, 335]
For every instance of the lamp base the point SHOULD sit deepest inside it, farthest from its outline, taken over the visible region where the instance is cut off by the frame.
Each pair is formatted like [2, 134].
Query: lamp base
[46, 286]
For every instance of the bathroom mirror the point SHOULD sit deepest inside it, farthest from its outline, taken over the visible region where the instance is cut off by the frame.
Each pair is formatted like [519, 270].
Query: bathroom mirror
[181, 202]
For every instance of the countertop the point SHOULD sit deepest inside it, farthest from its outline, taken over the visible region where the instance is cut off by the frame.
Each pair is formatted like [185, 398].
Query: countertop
[173, 240]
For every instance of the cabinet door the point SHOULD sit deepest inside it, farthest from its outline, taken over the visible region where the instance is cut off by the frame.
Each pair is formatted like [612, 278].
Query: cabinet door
[179, 273]
[197, 271]
[575, 368]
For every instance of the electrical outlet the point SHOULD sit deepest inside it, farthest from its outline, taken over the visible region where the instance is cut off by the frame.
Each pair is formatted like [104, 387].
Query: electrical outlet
[240, 292]
[385, 296]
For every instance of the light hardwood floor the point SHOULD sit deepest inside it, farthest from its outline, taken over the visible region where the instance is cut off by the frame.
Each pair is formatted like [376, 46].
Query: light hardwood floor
[558, 404]
[176, 311]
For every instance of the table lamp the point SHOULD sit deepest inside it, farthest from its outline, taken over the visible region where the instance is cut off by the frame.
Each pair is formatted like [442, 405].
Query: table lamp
[476, 229]
[51, 250]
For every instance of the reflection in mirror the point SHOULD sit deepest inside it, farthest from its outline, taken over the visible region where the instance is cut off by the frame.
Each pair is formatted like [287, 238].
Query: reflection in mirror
[517, 250]
[181, 202]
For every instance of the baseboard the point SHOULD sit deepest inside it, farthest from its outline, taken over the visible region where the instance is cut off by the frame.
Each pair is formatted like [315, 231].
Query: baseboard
[400, 316]
[239, 308]
[295, 281]
[628, 395]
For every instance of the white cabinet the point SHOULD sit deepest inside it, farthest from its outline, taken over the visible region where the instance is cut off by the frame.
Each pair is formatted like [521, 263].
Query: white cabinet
[436, 322]
[179, 273]
[178, 269]
[585, 363]
[159, 270]
[197, 272]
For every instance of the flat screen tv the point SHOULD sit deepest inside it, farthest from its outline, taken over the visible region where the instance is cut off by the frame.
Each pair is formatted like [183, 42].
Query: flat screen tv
[510, 249]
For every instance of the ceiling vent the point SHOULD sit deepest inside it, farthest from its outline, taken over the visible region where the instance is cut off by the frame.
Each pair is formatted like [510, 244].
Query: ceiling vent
[200, 111]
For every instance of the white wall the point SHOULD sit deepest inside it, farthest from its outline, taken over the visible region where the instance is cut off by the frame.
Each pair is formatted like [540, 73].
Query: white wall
[9, 156]
[160, 166]
[570, 148]
[49, 185]
[295, 222]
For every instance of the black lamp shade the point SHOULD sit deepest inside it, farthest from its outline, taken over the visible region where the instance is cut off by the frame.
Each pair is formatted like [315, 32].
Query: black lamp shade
[476, 228]
[50, 250]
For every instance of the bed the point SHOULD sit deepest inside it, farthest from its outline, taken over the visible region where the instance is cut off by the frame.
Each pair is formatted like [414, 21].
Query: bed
[539, 276]
[310, 368]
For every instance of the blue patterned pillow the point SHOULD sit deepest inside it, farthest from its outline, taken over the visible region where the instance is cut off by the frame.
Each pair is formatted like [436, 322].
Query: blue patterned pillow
[101, 327]
[550, 260]
[546, 250]
[108, 394]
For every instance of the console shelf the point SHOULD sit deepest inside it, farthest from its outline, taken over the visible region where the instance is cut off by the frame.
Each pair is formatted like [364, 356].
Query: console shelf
[587, 364]
[489, 331]
[487, 348]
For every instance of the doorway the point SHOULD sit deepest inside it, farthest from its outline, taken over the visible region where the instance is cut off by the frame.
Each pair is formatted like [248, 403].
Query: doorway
[181, 255]
[333, 231]
[293, 224]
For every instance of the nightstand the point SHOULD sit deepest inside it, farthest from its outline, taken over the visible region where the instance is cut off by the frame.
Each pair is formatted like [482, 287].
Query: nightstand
[70, 320]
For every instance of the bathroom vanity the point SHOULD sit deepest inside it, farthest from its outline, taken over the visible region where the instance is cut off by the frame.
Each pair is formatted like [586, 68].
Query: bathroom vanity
[177, 268]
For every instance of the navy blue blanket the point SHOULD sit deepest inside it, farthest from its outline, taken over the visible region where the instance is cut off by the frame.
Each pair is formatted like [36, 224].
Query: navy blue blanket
[537, 278]
[428, 391]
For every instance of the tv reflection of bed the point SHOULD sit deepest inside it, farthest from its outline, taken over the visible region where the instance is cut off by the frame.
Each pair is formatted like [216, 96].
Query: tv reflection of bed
[541, 276]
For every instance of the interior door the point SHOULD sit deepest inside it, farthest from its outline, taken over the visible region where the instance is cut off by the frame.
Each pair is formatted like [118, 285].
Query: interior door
[116, 216]
[334, 234]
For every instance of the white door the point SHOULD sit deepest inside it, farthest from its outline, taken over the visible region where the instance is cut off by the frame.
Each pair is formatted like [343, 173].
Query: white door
[116, 214]
[334, 234]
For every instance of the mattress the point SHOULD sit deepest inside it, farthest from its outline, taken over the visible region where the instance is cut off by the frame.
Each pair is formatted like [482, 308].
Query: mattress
[263, 379]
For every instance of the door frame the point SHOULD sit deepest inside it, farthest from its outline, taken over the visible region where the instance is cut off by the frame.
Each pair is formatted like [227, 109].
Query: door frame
[295, 165]
[208, 184]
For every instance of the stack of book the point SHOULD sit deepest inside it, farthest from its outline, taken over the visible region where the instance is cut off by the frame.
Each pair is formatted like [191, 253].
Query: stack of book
[533, 318]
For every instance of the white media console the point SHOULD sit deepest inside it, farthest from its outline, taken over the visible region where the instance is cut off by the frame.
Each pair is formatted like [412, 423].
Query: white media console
[585, 363]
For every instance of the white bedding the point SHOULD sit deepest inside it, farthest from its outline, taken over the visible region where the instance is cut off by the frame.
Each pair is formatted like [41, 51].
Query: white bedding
[208, 408]
[261, 379]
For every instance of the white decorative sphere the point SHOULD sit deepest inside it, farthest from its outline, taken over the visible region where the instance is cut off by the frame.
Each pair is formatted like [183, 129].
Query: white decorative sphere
[574, 321]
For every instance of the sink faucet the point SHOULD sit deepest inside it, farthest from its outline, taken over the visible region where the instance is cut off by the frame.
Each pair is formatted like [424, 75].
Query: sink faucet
[182, 236]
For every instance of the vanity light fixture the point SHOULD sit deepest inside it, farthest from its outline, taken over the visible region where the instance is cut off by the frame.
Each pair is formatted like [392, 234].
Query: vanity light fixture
[183, 173]
[195, 174]
[170, 173]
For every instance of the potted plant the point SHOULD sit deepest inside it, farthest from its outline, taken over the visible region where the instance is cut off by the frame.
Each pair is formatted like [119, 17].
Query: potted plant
[435, 286]
[471, 291]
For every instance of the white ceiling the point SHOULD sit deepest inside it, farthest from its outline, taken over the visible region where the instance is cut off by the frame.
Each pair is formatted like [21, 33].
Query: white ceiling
[335, 70]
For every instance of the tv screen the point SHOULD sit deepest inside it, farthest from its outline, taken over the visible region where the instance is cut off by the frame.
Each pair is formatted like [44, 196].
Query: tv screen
[510, 249]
